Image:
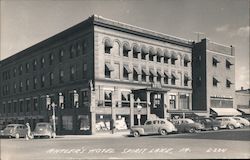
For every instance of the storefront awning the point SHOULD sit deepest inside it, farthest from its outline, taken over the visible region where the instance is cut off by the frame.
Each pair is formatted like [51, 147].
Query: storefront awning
[153, 72]
[109, 66]
[244, 110]
[226, 111]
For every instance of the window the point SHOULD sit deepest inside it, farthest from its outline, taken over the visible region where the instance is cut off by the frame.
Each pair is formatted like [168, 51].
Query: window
[51, 78]
[21, 106]
[107, 98]
[186, 60]
[14, 88]
[72, 52]
[84, 72]
[20, 70]
[9, 107]
[152, 75]
[125, 99]
[158, 59]
[144, 52]
[184, 101]
[157, 100]
[34, 65]
[215, 61]
[42, 62]
[173, 58]
[61, 75]
[166, 77]
[28, 106]
[35, 102]
[79, 49]
[126, 49]
[34, 83]
[27, 67]
[20, 86]
[135, 75]
[126, 72]
[173, 61]
[159, 76]
[108, 69]
[173, 79]
[84, 99]
[14, 72]
[148, 123]
[42, 81]
[136, 51]
[144, 75]
[215, 82]
[186, 79]
[61, 54]
[228, 64]
[51, 58]
[4, 108]
[172, 99]
[67, 122]
[27, 84]
[151, 57]
[152, 53]
[228, 83]
[107, 46]
[15, 107]
[72, 73]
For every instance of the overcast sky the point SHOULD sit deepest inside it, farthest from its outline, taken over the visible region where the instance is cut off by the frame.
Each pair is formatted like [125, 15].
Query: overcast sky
[27, 22]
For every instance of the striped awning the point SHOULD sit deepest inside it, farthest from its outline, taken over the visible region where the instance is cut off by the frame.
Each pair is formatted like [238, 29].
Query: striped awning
[226, 111]
[244, 110]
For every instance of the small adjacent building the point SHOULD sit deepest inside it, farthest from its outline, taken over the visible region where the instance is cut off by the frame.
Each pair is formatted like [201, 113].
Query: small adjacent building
[242, 101]
[213, 69]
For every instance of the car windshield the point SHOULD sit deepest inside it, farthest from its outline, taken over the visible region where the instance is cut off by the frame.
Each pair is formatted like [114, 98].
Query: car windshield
[10, 127]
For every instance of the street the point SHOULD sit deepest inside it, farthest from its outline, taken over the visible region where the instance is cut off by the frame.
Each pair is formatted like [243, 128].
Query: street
[207, 144]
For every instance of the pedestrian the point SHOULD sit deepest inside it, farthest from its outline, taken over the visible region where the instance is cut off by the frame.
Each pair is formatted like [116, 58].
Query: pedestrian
[28, 136]
[112, 126]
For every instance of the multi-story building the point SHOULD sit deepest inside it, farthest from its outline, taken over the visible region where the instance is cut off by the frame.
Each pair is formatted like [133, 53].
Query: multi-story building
[242, 100]
[214, 78]
[102, 70]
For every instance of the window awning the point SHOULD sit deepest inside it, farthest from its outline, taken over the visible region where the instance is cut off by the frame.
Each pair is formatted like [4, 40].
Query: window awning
[186, 58]
[136, 49]
[244, 110]
[226, 111]
[126, 47]
[153, 72]
[152, 51]
[174, 56]
[108, 43]
[167, 74]
[229, 81]
[187, 77]
[137, 70]
[160, 73]
[215, 59]
[160, 53]
[229, 62]
[125, 96]
[127, 69]
[144, 50]
[174, 75]
[216, 79]
[109, 66]
[167, 54]
[145, 71]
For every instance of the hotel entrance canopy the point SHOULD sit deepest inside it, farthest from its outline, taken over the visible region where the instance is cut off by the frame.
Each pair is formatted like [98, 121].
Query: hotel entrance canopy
[225, 111]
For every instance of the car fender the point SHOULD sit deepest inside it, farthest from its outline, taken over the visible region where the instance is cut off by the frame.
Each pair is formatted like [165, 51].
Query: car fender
[140, 130]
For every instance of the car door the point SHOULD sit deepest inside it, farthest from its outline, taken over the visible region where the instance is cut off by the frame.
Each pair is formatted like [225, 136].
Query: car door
[155, 126]
[148, 127]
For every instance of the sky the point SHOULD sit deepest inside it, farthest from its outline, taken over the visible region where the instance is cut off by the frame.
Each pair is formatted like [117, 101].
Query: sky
[27, 22]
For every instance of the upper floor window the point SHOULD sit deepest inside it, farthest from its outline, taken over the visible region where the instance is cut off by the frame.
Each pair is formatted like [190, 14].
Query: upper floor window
[61, 75]
[107, 98]
[34, 83]
[215, 82]
[136, 73]
[72, 73]
[42, 80]
[14, 72]
[173, 58]
[152, 54]
[228, 83]
[35, 104]
[152, 75]
[107, 46]
[144, 52]
[160, 54]
[167, 76]
[27, 67]
[72, 51]
[42, 62]
[228, 64]
[34, 65]
[14, 87]
[215, 62]
[51, 58]
[84, 70]
[136, 51]
[51, 78]
[20, 86]
[126, 72]
[84, 98]
[186, 79]
[108, 69]
[20, 70]
[27, 84]
[126, 49]
[186, 60]
[173, 78]
[61, 54]
[144, 75]
[79, 49]
[159, 75]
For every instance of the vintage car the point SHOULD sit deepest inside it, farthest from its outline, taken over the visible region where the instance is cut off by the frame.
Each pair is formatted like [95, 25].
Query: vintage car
[15, 131]
[244, 122]
[187, 125]
[228, 122]
[43, 129]
[157, 126]
[208, 123]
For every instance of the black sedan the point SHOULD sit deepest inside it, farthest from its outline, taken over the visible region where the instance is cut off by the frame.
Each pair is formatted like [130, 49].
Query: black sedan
[209, 123]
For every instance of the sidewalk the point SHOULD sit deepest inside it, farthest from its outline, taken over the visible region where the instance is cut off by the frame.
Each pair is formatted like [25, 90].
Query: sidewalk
[117, 134]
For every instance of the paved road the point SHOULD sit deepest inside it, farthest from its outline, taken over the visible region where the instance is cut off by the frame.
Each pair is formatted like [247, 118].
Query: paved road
[210, 144]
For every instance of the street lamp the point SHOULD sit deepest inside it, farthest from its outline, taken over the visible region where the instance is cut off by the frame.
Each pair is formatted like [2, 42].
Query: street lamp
[139, 107]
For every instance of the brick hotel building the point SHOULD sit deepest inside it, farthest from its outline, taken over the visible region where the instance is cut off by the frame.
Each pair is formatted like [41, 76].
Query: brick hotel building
[112, 66]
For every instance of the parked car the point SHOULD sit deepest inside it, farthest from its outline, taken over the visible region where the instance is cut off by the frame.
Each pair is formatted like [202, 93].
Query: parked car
[208, 123]
[187, 125]
[157, 126]
[244, 122]
[43, 130]
[228, 122]
[15, 131]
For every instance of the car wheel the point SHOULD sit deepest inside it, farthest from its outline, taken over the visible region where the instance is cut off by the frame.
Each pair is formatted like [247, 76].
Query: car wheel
[136, 134]
[53, 135]
[191, 130]
[17, 135]
[215, 128]
[163, 132]
[230, 126]
[241, 125]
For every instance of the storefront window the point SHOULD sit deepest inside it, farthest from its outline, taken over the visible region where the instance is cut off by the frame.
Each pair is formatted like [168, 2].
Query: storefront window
[67, 122]
[184, 101]
[125, 99]
[84, 122]
[172, 101]
[107, 98]
[103, 122]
